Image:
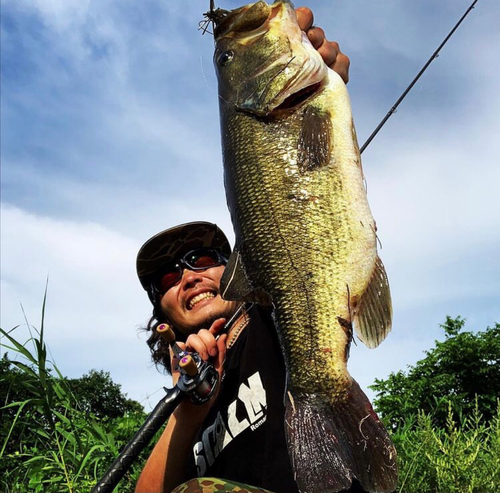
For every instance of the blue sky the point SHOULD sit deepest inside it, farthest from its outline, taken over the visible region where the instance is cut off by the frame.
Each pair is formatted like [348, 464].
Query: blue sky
[110, 133]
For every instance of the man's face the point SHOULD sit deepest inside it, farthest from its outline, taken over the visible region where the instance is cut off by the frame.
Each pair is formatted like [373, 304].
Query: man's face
[194, 302]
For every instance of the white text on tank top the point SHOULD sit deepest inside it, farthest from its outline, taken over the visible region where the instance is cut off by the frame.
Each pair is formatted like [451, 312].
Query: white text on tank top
[219, 434]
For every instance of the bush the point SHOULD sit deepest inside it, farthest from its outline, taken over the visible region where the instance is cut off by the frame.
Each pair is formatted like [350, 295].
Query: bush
[462, 457]
[50, 443]
[462, 371]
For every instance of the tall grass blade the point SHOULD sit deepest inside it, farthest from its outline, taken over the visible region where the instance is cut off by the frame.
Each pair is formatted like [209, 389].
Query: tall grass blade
[17, 346]
[14, 422]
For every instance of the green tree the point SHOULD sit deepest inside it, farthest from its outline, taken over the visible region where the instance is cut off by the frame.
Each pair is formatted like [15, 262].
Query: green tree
[99, 395]
[458, 372]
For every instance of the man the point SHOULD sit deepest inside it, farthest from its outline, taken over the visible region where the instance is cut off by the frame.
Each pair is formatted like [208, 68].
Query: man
[239, 434]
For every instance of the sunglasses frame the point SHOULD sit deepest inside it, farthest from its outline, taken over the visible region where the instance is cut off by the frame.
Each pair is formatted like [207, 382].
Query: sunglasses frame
[181, 263]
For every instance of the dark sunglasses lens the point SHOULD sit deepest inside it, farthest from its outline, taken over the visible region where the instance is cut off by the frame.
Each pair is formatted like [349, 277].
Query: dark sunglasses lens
[168, 280]
[197, 259]
[202, 259]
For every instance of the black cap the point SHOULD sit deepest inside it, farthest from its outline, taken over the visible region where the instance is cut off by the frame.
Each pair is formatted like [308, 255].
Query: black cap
[174, 242]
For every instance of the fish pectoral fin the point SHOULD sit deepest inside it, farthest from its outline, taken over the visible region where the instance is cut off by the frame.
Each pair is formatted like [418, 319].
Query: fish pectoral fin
[236, 286]
[315, 141]
[373, 312]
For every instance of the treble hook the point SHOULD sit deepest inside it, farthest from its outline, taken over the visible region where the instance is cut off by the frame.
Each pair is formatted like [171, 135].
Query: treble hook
[214, 16]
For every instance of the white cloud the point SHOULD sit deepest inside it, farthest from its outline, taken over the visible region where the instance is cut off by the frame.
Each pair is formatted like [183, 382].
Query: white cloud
[58, 14]
[94, 302]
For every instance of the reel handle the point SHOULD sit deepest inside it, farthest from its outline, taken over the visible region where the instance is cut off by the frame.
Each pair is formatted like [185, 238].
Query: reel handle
[198, 378]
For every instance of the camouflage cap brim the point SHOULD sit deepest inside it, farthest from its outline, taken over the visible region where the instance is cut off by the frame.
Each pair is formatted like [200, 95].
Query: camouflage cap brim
[174, 242]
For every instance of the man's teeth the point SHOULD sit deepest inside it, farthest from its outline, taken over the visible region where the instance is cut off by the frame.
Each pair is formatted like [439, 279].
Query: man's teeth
[202, 296]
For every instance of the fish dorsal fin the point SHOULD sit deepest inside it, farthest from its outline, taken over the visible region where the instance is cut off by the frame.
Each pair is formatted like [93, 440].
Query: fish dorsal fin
[235, 284]
[373, 313]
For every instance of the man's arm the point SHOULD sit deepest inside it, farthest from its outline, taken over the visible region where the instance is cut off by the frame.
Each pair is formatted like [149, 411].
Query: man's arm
[166, 466]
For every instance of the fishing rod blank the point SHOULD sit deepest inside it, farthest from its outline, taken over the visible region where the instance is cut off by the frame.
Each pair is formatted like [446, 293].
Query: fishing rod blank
[408, 89]
[139, 441]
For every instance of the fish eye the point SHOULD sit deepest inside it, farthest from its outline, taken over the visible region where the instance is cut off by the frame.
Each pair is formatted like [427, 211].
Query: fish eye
[225, 57]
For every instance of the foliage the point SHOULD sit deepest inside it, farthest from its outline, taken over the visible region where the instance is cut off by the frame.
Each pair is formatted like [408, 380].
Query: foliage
[459, 373]
[462, 457]
[49, 442]
[444, 414]
[100, 396]
[62, 435]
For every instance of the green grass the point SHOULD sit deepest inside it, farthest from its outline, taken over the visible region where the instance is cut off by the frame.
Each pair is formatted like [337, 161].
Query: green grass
[464, 457]
[48, 443]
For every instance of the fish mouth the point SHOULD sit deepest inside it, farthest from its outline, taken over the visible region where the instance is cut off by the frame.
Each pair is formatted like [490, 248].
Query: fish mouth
[197, 298]
[242, 20]
[272, 64]
[309, 79]
[300, 97]
[301, 87]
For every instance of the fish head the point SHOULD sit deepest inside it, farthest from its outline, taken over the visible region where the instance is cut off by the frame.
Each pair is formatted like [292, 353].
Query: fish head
[263, 60]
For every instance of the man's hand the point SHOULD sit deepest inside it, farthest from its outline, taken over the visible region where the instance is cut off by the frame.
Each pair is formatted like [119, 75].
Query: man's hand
[329, 50]
[207, 346]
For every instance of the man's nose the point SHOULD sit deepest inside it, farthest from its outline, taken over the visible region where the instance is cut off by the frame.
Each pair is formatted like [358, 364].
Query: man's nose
[190, 277]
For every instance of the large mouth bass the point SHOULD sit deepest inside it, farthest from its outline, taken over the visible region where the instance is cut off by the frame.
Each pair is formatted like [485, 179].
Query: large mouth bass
[305, 238]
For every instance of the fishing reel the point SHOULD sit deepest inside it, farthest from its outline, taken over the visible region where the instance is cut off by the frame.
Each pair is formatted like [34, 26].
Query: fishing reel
[198, 379]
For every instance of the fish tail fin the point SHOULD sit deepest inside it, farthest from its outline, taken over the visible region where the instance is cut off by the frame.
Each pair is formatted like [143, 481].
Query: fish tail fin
[330, 445]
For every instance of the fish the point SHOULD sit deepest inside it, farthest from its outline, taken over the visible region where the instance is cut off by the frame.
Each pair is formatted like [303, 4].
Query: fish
[305, 238]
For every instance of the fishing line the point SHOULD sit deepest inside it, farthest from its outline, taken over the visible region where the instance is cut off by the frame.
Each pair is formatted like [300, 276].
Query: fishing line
[413, 82]
[205, 79]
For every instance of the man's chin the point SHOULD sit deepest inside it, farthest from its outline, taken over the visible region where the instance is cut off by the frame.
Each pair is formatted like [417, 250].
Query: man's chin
[204, 316]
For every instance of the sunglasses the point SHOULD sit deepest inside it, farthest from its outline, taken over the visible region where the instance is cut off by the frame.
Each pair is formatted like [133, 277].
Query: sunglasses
[198, 259]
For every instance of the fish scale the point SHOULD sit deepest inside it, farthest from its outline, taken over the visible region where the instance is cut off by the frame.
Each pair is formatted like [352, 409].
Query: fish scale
[305, 239]
[282, 227]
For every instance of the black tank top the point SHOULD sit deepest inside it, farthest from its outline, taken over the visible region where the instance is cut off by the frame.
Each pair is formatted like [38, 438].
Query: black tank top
[243, 437]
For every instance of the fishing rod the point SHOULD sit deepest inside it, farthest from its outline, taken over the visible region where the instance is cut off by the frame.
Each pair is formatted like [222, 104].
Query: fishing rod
[198, 380]
[414, 81]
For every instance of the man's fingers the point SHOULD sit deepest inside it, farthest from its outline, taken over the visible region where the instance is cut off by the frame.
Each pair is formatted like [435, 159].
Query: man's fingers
[341, 66]
[204, 342]
[217, 326]
[316, 36]
[221, 347]
[195, 342]
[335, 59]
[305, 18]
[329, 50]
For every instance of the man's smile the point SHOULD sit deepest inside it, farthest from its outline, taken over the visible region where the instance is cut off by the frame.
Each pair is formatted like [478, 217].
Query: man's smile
[199, 297]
